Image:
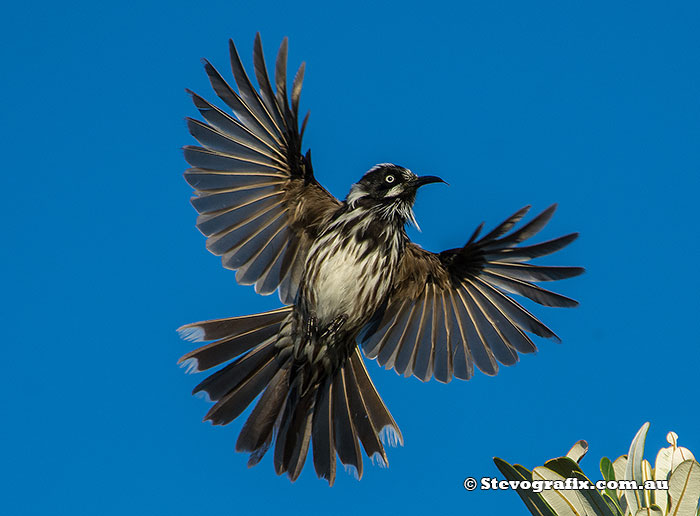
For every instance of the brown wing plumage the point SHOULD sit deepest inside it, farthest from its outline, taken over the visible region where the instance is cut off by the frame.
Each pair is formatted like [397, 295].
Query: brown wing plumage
[452, 310]
[259, 204]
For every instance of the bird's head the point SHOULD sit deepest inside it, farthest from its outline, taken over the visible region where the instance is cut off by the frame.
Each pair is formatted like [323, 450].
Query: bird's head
[389, 189]
[387, 183]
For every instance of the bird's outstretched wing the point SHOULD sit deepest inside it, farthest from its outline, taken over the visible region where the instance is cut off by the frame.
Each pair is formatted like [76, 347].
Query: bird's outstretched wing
[451, 310]
[259, 204]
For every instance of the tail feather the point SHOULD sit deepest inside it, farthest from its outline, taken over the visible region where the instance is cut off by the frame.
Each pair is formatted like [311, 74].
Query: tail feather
[232, 336]
[283, 430]
[258, 428]
[297, 438]
[322, 433]
[237, 400]
[225, 380]
[334, 415]
[345, 437]
[377, 412]
[366, 431]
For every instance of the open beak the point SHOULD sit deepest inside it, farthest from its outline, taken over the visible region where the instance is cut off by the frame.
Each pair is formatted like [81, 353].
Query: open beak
[426, 180]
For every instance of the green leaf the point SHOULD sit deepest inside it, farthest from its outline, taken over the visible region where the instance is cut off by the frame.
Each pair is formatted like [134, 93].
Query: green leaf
[662, 466]
[608, 472]
[564, 502]
[662, 469]
[680, 455]
[633, 471]
[595, 500]
[619, 466]
[614, 503]
[578, 450]
[672, 439]
[523, 471]
[654, 510]
[564, 466]
[606, 469]
[647, 474]
[684, 489]
[533, 501]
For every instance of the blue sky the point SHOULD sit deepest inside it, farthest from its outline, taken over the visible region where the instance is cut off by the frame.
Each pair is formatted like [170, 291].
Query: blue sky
[592, 105]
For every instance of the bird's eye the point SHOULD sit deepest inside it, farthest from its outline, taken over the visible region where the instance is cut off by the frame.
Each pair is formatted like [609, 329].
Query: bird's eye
[389, 179]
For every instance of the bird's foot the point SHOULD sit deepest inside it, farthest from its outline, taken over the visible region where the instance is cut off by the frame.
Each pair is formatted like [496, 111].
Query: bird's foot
[334, 326]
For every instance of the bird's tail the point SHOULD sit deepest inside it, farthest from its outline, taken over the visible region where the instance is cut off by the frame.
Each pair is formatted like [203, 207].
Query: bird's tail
[337, 413]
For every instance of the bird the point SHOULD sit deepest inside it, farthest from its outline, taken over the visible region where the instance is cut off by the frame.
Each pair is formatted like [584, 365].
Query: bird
[350, 281]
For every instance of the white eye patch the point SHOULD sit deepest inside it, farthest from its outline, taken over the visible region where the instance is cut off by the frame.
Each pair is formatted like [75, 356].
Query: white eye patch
[389, 179]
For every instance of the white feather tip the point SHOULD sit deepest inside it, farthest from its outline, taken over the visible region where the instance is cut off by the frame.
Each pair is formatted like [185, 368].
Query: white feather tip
[390, 437]
[191, 365]
[191, 333]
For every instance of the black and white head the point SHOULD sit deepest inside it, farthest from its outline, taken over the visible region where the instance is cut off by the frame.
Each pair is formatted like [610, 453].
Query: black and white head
[390, 189]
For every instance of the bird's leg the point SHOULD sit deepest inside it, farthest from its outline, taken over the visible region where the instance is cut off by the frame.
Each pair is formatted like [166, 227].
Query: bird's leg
[334, 326]
[311, 329]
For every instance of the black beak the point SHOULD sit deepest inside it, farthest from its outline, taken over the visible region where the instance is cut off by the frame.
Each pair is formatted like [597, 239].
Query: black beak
[426, 180]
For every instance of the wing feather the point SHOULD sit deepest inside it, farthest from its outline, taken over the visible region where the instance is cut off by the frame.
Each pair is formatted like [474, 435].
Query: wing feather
[234, 129]
[248, 93]
[426, 340]
[224, 143]
[394, 341]
[406, 356]
[473, 321]
[268, 96]
[258, 201]
[462, 362]
[443, 354]
[451, 311]
[495, 328]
